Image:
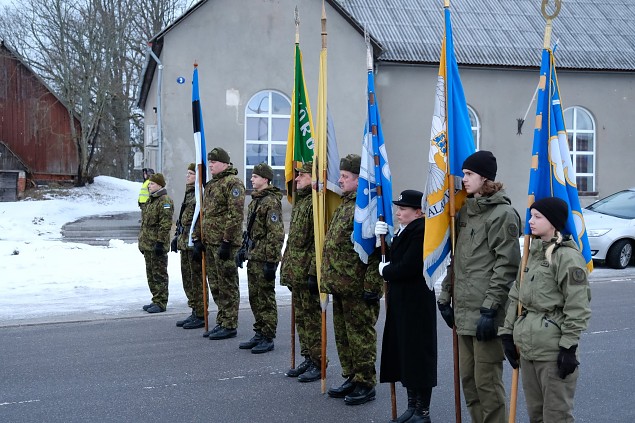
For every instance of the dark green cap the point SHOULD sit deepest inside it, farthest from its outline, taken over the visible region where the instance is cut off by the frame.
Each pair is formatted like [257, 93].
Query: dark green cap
[218, 155]
[191, 167]
[264, 170]
[307, 167]
[351, 163]
[158, 179]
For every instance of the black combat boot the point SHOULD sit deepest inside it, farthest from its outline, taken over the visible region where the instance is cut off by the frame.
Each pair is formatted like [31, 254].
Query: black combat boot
[361, 395]
[302, 367]
[156, 308]
[196, 323]
[265, 345]
[212, 331]
[223, 333]
[312, 374]
[412, 404]
[188, 319]
[255, 340]
[341, 391]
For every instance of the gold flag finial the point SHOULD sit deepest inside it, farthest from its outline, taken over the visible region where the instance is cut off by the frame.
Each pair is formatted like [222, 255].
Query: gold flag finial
[549, 17]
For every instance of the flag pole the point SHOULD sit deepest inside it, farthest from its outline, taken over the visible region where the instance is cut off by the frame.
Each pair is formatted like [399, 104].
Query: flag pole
[513, 403]
[452, 205]
[380, 211]
[323, 176]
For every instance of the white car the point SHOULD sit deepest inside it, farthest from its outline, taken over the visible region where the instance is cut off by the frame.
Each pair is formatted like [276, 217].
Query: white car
[610, 224]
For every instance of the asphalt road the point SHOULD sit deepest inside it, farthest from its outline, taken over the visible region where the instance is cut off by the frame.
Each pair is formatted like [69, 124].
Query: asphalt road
[143, 368]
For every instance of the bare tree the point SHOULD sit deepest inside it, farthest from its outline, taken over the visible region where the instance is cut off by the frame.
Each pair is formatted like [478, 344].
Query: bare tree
[90, 52]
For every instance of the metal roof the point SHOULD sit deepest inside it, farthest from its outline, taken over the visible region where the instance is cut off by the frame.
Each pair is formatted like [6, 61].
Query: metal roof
[591, 34]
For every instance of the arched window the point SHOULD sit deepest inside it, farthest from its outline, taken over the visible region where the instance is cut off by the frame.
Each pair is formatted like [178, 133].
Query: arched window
[581, 135]
[475, 123]
[266, 128]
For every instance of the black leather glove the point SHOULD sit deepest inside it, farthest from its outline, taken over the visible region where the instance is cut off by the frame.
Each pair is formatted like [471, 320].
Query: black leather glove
[197, 254]
[510, 350]
[567, 362]
[270, 271]
[313, 284]
[173, 245]
[486, 326]
[223, 250]
[447, 313]
[371, 298]
[158, 249]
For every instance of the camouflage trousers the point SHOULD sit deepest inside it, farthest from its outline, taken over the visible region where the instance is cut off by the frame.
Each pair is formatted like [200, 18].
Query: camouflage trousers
[191, 273]
[308, 320]
[356, 338]
[222, 277]
[157, 275]
[262, 299]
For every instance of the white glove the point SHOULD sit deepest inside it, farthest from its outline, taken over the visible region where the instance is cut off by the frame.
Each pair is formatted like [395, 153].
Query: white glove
[381, 228]
[381, 267]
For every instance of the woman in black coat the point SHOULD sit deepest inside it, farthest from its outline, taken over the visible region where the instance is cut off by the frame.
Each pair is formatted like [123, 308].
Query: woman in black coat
[409, 347]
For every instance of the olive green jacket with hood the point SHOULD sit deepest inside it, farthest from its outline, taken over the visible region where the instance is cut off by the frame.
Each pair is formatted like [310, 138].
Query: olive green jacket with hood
[485, 262]
[555, 302]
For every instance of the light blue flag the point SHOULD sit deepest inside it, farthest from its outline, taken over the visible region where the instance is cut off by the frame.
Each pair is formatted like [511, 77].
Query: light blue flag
[201, 151]
[552, 173]
[374, 193]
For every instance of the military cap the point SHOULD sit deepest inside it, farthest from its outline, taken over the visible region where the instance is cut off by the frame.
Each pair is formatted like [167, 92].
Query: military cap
[218, 155]
[264, 170]
[191, 167]
[351, 163]
[409, 198]
[307, 167]
[158, 179]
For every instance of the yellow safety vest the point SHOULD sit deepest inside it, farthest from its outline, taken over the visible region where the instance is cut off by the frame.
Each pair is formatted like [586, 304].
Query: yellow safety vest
[144, 194]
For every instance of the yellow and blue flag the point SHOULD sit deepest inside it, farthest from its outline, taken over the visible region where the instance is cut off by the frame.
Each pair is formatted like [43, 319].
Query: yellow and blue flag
[451, 143]
[199, 146]
[552, 173]
[374, 192]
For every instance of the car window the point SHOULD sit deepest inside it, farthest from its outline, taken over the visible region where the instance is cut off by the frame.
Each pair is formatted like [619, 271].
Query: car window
[621, 204]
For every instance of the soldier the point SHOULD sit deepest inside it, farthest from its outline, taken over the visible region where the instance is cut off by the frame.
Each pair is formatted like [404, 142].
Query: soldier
[356, 288]
[485, 264]
[555, 297]
[191, 269]
[264, 238]
[154, 242]
[298, 273]
[223, 208]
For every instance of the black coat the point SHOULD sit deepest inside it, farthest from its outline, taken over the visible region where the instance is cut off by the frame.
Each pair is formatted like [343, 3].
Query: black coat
[409, 347]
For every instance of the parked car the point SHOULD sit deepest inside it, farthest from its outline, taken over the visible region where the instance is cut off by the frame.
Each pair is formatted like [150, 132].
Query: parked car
[610, 224]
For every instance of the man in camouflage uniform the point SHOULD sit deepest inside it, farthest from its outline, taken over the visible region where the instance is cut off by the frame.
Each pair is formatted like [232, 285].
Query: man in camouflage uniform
[154, 242]
[221, 230]
[191, 269]
[297, 272]
[356, 288]
[266, 235]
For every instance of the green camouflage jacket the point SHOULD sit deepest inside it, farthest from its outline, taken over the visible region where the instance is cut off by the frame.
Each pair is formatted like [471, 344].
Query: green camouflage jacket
[223, 209]
[298, 260]
[555, 302]
[486, 260]
[342, 271]
[156, 221]
[186, 217]
[267, 232]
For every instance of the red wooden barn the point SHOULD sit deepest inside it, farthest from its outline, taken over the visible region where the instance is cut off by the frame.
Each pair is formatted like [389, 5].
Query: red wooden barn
[35, 133]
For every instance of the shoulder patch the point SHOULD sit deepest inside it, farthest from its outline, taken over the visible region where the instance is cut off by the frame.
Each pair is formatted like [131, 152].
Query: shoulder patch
[235, 192]
[274, 217]
[166, 206]
[512, 230]
[577, 276]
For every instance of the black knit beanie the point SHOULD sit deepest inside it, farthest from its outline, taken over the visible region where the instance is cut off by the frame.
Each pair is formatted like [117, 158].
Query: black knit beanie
[554, 209]
[482, 162]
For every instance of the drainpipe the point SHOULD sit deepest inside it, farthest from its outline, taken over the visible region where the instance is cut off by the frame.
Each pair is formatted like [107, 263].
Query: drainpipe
[159, 125]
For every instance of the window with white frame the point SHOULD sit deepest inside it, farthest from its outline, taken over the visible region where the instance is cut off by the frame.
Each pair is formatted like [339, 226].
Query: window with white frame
[266, 129]
[581, 135]
[475, 123]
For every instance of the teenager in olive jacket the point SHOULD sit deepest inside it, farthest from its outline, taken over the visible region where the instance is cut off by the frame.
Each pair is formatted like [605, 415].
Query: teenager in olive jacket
[154, 242]
[554, 295]
[485, 264]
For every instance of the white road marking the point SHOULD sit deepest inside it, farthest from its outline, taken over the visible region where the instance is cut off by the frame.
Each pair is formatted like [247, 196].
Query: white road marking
[18, 402]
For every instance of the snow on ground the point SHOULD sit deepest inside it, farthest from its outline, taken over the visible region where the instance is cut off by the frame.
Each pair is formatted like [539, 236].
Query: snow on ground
[43, 278]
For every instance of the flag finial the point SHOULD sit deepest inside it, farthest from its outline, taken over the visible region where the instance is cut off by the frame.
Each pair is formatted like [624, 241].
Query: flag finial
[549, 18]
[297, 25]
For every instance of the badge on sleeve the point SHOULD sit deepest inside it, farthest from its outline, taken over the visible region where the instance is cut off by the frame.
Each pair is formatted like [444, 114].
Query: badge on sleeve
[166, 205]
[512, 230]
[577, 276]
[235, 192]
[274, 217]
